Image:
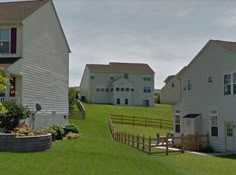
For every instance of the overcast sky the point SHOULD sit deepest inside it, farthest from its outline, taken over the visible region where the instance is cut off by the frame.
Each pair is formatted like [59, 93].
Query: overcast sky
[166, 34]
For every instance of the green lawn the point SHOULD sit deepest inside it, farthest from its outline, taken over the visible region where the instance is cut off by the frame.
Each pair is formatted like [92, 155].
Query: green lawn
[95, 153]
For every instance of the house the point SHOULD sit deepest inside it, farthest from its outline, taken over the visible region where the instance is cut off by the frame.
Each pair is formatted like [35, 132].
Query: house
[208, 96]
[170, 92]
[35, 54]
[118, 84]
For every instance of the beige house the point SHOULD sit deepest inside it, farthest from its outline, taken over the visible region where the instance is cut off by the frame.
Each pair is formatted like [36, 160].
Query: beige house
[170, 93]
[35, 54]
[207, 101]
[118, 84]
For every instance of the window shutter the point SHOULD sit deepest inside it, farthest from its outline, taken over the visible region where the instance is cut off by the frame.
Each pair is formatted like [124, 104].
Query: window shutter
[13, 40]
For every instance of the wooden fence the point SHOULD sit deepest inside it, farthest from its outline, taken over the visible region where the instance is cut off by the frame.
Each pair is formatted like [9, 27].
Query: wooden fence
[158, 145]
[141, 121]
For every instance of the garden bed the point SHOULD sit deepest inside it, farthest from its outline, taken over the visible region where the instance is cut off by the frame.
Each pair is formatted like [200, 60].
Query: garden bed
[13, 143]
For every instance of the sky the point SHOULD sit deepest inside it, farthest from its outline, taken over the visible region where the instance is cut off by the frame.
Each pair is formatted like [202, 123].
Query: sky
[166, 34]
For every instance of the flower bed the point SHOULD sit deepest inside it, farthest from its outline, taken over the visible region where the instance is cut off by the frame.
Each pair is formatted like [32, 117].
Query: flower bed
[13, 143]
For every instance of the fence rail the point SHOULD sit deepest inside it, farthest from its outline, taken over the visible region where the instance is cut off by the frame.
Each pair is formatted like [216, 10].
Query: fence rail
[158, 145]
[141, 121]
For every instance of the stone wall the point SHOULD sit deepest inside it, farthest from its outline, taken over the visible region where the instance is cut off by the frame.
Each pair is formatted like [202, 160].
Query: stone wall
[13, 143]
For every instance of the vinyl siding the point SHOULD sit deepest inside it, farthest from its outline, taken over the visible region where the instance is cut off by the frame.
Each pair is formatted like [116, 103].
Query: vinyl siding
[169, 94]
[102, 80]
[214, 61]
[45, 65]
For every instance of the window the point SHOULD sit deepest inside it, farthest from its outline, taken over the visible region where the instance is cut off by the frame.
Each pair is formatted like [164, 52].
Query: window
[210, 79]
[118, 101]
[127, 89]
[126, 76]
[5, 40]
[147, 89]
[227, 84]
[147, 78]
[132, 89]
[229, 130]
[111, 77]
[214, 123]
[117, 89]
[189, 85]
[185, 85]
[122, 89]
[177, 121]
[111, 89]
[107, 90]
[126, 101]
[234, 83]
[98, 89]
[173, 84]
[92, 77]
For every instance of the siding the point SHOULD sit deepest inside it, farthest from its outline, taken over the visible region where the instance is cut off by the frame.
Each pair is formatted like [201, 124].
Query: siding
[102, 80]
[45, 65]
[169, 94]
[214, 61]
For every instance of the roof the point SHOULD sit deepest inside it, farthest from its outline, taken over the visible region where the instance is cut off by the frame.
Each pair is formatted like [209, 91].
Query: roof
[18, 11]
[114, 67]
[231, 46]
[191, 115]
[169, 78]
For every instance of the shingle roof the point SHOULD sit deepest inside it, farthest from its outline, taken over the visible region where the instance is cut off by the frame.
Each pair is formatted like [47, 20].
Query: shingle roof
[18, 11]
[226, 44]
[121, 68]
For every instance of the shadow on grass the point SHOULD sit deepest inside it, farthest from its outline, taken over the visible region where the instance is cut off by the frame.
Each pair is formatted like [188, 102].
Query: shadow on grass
[233, 156]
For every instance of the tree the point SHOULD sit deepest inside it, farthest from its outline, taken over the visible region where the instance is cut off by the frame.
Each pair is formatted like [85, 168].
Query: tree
[73, 97]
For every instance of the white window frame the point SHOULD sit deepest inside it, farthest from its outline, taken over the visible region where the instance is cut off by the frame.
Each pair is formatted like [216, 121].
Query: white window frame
[177, 114]
[214, 114]
[9, 30]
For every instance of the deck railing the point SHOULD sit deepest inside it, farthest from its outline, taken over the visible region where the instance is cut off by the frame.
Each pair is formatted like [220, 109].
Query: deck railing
[3, 99]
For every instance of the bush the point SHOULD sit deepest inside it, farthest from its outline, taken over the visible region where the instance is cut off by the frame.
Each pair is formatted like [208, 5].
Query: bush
[71, 135]
[40, 132]
[14, 112]
[57, 131]
[24, 130]
[71, 128]
[206, 149]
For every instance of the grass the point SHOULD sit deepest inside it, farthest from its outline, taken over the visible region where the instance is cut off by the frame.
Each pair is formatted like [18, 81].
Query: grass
[95, 153]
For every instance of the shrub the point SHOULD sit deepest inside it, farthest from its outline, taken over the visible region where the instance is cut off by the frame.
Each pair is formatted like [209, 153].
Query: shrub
[57, 131]
[24, 130]
[70, 128]
[40, 132]
[206, 149]
[71, 135]
[14, 112]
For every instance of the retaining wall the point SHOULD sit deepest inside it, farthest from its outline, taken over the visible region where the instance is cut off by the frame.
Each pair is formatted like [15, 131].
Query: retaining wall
[13, 143]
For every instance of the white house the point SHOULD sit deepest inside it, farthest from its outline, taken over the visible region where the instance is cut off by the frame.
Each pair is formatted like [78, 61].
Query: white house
[35, 53]
[208, 96]
[118, 84]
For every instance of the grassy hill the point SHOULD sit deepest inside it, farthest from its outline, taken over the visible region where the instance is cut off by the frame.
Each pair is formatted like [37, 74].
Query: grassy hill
[95, 153]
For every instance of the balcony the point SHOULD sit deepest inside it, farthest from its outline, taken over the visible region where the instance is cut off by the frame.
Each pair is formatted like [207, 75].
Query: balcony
[16, 99]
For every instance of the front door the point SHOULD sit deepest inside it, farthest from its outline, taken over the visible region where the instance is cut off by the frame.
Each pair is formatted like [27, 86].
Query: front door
[229, 136]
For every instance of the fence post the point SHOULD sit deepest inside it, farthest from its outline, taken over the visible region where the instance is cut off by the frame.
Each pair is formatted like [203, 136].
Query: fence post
[128, 138]
[182, 143]
[138, 141]
[158, 139]
[149, 145]
[143, 143]
[167, 135]
[133, 140]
